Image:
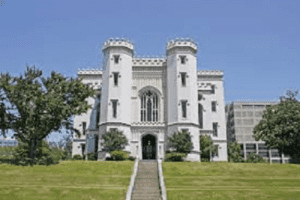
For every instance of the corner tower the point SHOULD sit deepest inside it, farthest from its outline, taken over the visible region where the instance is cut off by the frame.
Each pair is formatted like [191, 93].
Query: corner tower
[182, 91]
[116, 89]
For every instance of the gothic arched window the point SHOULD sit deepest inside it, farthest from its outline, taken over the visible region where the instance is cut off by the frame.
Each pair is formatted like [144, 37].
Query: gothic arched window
[149, 107]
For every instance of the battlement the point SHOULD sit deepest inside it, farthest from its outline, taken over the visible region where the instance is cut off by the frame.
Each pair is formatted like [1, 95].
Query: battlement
[182, 42]
[89, 72]
[210, 73]
[148, 61]
[117, 42]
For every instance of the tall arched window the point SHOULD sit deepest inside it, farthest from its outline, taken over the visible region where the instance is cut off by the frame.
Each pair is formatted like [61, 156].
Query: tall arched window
[149, 107]
[200, 115]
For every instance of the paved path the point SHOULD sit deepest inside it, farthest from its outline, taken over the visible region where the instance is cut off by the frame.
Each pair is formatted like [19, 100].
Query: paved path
[146, 183]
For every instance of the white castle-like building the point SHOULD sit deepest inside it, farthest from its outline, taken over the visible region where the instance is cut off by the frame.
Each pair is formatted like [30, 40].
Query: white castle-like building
[150, 98]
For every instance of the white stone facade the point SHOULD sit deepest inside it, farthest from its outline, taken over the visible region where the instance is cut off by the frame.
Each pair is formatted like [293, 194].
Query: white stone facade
[149, 99]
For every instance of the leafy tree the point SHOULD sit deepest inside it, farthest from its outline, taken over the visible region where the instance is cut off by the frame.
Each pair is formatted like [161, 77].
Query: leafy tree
[181, 141]
[35, 106]
[234, 152]
[114, 140]
[280, 126]
[206, 146]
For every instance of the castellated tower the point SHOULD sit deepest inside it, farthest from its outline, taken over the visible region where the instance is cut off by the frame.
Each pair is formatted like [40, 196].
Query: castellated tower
[182, 91]
[117, 78]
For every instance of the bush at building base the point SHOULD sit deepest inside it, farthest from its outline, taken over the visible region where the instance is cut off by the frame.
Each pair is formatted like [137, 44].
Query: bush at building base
[77, 157]
[119, 155]
[92, 156]
[254, 158]
[174, 157]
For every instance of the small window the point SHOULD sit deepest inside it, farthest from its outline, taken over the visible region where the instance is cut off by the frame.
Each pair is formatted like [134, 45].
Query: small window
[182, 59]
[200, 97]
[212, 89]
[83, 149]
[116, 74]
[214, 106]
[215, 129]
[217, 153]
[114, 105]
[183, 79]
[183, 105]
[83, 127]
[116, 59]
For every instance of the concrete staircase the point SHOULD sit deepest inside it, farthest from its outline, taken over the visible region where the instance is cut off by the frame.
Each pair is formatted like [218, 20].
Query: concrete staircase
[146, 183]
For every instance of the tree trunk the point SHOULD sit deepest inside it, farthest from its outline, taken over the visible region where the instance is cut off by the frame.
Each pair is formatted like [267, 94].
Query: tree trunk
[33, 150]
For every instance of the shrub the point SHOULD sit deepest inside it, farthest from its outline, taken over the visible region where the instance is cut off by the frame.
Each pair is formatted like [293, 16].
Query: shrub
[234, 152]
[205, 160]
[119, 155]
[77, 157]
[254, 158]
[109, 158]
[131, 158]
[181, 141]
[175, 156]
[114, 141]
[92, 156]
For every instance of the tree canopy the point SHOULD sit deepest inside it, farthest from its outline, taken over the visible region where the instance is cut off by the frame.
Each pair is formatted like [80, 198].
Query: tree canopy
[280, 126]
[114, 140]
[34, 106]
[234, 152]
[181, 141]
[206, 146]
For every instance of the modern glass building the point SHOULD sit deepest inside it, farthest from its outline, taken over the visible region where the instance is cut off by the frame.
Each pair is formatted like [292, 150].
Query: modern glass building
[241, 118]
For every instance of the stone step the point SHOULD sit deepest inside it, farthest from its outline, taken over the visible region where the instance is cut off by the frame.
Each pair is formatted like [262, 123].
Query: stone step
[146, 182]
[146, 196]
[152, 191]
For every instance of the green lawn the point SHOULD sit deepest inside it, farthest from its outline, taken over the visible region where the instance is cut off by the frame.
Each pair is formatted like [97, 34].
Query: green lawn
[188, 180]
[69, 180]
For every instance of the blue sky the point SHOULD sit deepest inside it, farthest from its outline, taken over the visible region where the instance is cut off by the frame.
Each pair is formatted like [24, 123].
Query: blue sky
[256, 43]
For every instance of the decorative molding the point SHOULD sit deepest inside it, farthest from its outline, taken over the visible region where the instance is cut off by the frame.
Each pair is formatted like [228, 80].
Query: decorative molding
[114, 123]
[148, 124]
[183, 124]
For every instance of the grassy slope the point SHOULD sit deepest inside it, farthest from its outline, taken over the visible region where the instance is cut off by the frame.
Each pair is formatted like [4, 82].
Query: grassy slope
[231, 181]
[67, 180]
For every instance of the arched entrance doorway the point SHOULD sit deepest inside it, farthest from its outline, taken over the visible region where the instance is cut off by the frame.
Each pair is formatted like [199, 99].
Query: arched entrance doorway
[149, 147]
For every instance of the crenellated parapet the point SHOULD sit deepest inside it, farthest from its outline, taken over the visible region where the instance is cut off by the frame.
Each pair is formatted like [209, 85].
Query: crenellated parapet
[118, 42]
[89, 72]
[210, 73]
[182, 42]
[149, 61]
